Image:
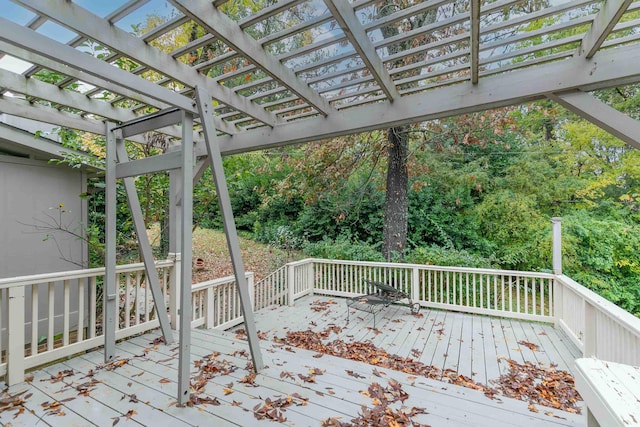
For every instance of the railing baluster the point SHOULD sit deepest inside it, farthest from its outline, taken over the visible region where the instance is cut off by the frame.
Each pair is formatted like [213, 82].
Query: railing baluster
[34, 319]
[526, 294]
[66, 313]
[93, 296]
[80, 327]
[518, 295]
[51, 316]
[127, 299]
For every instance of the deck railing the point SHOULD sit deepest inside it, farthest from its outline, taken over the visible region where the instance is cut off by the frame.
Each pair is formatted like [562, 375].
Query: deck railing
[72, 300]
[63, 313]
[216, 303]
[515, 294]
[598, 327]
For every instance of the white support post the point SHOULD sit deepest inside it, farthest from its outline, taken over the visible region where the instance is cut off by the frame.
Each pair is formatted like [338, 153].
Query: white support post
[110, 292]
[291, 284]
[184, 360]
[311, 277]
[558, 301]
[175, 221]
[209, 310]
[557, 245]
[174, 289]
[415, 285]
[15, 332]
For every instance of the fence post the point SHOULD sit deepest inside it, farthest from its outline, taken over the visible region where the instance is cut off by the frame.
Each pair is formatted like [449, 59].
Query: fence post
[252, 290]
[415, 285]
[209, 312]
[557, 244]
[590, 338]
[15, 332]
[174, 289]
[291, 283]
[557, 303]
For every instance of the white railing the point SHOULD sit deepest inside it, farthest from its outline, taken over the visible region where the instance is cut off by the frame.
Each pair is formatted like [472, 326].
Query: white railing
[216, 303]
[515, 294]
[45, 317]
[72, 300]
[598, 327]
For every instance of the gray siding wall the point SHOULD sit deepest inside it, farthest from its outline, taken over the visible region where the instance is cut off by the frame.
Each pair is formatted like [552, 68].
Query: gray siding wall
[30, 193]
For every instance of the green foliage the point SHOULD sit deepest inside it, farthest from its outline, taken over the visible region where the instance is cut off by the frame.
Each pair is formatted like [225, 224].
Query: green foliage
[604, 255]
[343, 248]
[437, 255]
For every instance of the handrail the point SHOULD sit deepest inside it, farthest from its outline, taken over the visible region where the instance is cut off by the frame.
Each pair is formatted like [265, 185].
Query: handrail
[74, 274]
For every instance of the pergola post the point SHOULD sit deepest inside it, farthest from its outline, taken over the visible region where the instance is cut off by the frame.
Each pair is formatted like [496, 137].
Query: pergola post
[174, 245]
[110, 303]
[186, 174]
[203, 101]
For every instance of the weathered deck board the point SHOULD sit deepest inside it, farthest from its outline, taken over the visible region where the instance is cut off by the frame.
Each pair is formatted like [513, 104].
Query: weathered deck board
[142, 391]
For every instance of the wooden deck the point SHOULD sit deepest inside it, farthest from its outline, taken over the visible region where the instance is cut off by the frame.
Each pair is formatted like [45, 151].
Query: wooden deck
[141, 388]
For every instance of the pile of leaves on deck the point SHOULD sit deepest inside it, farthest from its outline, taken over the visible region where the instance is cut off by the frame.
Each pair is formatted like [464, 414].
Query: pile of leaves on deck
[548, 387]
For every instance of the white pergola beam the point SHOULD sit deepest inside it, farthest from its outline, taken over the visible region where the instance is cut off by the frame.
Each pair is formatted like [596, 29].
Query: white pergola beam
[21, 108]
[216, 22]
[474, 42]
[346, 17]
[606, 19]
[93, 27]
[597, 112]
[614, 67]
[147, 165]
[27, 39]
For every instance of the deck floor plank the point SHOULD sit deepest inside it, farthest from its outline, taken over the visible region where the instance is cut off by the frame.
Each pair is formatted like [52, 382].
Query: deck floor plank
[471, 345]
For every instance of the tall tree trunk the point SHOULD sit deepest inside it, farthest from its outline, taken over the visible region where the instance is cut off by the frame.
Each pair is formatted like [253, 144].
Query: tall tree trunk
[396, 215]
[396, 212]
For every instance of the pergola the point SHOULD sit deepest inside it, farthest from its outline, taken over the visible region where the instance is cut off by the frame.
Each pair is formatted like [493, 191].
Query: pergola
[287, 72]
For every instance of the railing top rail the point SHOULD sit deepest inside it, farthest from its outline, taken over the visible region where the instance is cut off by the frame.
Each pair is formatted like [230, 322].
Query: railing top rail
[11, 282]
[628, 320]
[437, 268]
[217, 282]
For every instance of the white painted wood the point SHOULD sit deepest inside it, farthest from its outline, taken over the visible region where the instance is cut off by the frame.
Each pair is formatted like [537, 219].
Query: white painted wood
[15, 334]
[602, 115]
[607, 18]
[611, 391]
[516, 87]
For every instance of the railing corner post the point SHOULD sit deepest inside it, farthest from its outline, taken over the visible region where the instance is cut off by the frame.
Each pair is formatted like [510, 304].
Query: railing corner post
[252, 289]
[15, 332]
[415, 284]
[557, 244]
[174, 289]
[291, 283]
[590, 338]
[209, 314]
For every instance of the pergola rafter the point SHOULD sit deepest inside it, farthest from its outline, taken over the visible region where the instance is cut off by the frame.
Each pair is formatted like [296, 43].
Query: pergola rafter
[202, 12]
[348, 21]
[603, 24]
[91, 26]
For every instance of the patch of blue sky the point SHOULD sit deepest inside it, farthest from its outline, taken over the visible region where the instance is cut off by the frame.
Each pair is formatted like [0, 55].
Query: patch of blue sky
[56, 32]
[139, 16]
[100, 8]
[15, 13]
